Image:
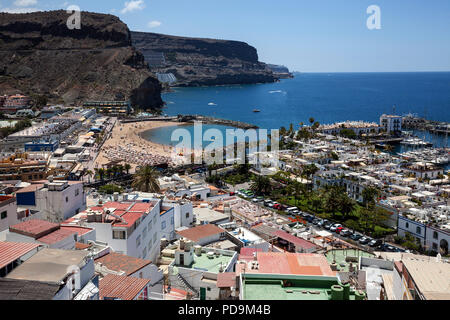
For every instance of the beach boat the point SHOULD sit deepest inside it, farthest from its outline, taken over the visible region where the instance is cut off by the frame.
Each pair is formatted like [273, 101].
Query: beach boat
[256, 110]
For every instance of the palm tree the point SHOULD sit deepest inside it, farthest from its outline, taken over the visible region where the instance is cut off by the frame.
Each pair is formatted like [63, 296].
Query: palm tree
[101, 173]
[89, 173]
[311, 120]
[127, 168]
[146, 179]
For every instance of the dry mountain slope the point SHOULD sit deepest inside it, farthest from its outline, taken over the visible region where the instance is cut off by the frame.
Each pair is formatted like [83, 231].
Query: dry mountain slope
[197, 61]
[40, 55]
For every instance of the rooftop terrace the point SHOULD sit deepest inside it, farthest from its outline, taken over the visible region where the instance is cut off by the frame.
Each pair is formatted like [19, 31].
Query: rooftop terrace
[206, 263]
[340, 256]
[279, 287]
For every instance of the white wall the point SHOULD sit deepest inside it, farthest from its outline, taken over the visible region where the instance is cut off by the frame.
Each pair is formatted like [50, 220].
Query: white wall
[58, 206]
[11, 216]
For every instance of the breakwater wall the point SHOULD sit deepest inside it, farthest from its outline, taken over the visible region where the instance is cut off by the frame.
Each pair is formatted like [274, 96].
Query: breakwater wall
[192, 119]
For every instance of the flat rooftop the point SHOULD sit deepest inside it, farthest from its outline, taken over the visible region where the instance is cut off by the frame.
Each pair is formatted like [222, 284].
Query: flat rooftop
[49, 265]
[205, 263]
[277, 287]
[340, 256]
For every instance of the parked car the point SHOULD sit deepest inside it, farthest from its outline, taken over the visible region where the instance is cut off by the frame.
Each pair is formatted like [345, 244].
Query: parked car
[345, 233]
[364, 240]
[387, 247]
[316, 222]
[277, 206]
[258, 199]
[339, 229]
[375, 243]
[356, 236]
[266, 202]
[295, 212]
[322, 223]
[328, 225]
[335, 226]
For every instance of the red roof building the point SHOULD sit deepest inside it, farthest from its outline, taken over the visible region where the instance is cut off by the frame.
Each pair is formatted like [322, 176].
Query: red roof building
[123, 288]
[34, 228]
[203, 233]
[287, 263]
[12, 251]
[120, 262]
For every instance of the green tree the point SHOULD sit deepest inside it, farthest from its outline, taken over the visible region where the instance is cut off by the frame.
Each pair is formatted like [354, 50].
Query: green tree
[127, 168]
[369, 194]
[146, 179]
[110, 189]
[260, 185]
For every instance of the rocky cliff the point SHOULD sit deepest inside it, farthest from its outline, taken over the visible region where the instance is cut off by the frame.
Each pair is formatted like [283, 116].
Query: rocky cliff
[39, 54]
[196, 62]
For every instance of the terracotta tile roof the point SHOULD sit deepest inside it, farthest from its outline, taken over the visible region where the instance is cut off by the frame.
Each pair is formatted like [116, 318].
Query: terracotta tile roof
[141, 207]
[295, 240]
[226, 280]
[200, 232]
[11, 251]
[81, 246]
[120, 262]
[34, 228]
[130, 218]
[121, 287]
[80, 230]
[56, 236]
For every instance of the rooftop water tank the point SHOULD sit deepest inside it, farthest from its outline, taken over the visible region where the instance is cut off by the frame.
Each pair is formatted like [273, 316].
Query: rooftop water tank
[337, 292]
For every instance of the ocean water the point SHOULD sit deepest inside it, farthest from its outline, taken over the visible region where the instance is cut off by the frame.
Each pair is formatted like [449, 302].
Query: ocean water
[326, 97]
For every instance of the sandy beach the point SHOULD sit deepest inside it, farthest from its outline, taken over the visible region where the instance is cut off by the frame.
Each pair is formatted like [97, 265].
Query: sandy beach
[126, 144]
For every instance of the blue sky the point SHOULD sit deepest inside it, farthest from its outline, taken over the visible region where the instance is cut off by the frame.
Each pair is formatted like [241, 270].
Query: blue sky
[305, 35]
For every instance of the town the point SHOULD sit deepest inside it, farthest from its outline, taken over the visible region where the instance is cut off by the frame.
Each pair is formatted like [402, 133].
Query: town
[90, 210]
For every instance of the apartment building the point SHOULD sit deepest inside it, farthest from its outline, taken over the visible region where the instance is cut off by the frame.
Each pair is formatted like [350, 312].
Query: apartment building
[128, 227]
[56, 200]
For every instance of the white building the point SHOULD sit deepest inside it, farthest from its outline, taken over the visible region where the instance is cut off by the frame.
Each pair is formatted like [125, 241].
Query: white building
[391, 123]
[57, 200]
[128, 227]
[8, 212]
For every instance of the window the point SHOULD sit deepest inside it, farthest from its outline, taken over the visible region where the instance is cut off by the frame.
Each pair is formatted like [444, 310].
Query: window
[418, 230]
[172, 221]
[150, 225]
[67, 199]
[119, 234]
[4, 214]
[77, 192]
[154, 238]
[407, 225]
[144, 232]
[154, 220]
[435, 246]
[435, 235]
[163, 225]
[138, 241]
[150, 244]
[144, 253]
[187, 215]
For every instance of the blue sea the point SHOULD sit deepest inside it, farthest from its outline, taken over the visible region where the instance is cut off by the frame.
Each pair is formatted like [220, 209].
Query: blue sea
[327, 97]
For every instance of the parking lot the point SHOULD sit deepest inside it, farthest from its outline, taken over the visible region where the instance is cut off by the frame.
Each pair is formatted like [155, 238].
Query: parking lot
[338, 230]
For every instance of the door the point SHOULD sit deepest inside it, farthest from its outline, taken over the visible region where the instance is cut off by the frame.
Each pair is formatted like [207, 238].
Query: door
[202, 293]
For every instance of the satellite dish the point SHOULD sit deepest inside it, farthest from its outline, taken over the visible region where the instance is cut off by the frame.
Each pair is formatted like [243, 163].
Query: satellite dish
[174, 271]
